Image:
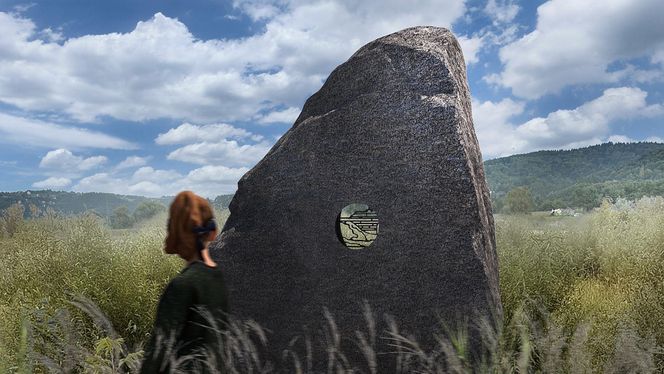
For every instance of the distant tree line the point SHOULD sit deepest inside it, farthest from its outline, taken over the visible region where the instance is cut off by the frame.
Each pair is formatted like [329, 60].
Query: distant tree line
[104, 205]
[122, 219]
[579, 178]
[13, 216]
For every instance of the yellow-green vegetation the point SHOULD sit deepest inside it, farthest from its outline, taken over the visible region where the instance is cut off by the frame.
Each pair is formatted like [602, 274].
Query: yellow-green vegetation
[580, 294]
[48, 259]
[605, 268]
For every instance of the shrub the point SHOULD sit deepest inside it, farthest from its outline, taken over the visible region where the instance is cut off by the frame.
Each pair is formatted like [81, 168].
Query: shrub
[13, 218]
[121, 218]
[146, 210]
[519, 200]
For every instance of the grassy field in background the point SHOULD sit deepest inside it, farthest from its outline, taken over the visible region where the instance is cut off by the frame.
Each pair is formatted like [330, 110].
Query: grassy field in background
[579, 293]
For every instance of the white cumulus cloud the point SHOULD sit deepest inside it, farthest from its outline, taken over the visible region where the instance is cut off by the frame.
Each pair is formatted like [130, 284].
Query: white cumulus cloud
[208, 181]
[471, 48]
[501, 11]
[188, 133]
[620, 139]
[288, 115]
[224, 152]
[495, 132]
[53, 182]
[33, 132]
[148, 174]
[161, 70]
[64, 160]
[576, 42]
[132, 162]
[102, 182]
[213, 180]
[216, 144]
[585, 125]
[588, 121]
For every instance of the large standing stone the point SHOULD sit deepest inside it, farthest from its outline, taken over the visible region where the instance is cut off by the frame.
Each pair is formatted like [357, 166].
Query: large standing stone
[392, 129]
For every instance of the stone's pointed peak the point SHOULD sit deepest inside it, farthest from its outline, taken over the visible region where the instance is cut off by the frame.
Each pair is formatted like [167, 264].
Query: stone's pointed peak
[425, 60]
[418, 37]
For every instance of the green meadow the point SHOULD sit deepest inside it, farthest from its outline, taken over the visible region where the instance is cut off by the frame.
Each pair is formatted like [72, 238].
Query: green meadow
[580, 294]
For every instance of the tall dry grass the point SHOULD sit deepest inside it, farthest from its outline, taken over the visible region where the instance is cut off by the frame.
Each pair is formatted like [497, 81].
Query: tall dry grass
[581, 294]
[51, 258]
[526, 345]
[605, 269]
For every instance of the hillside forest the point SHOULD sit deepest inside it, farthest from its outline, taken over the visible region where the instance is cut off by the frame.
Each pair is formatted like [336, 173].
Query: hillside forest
[578, 178]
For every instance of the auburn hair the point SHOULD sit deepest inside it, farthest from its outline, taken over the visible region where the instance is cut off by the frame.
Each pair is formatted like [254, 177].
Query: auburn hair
[187, 211]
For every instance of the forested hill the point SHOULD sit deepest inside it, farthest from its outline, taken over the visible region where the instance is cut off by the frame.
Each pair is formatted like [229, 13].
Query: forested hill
[580, 177]
[75, 202]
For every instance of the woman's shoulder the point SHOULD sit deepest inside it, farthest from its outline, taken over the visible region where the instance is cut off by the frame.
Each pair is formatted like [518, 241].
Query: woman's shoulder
[179, 284]
[190, 277]
[197, 270]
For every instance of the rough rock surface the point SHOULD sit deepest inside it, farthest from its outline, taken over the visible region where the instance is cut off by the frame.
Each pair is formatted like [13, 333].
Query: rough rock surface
[391, 128]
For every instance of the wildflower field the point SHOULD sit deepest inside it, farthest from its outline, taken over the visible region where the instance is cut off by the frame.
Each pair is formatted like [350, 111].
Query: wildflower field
[581, 294]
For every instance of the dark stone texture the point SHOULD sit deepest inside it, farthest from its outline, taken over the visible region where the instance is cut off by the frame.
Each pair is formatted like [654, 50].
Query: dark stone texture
[391, 128]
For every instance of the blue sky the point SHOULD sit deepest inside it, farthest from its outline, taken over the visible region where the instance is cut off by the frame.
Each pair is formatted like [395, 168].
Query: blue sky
[152, 97]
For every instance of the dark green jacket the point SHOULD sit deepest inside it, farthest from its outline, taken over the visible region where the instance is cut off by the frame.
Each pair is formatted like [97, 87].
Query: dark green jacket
[183, 326]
